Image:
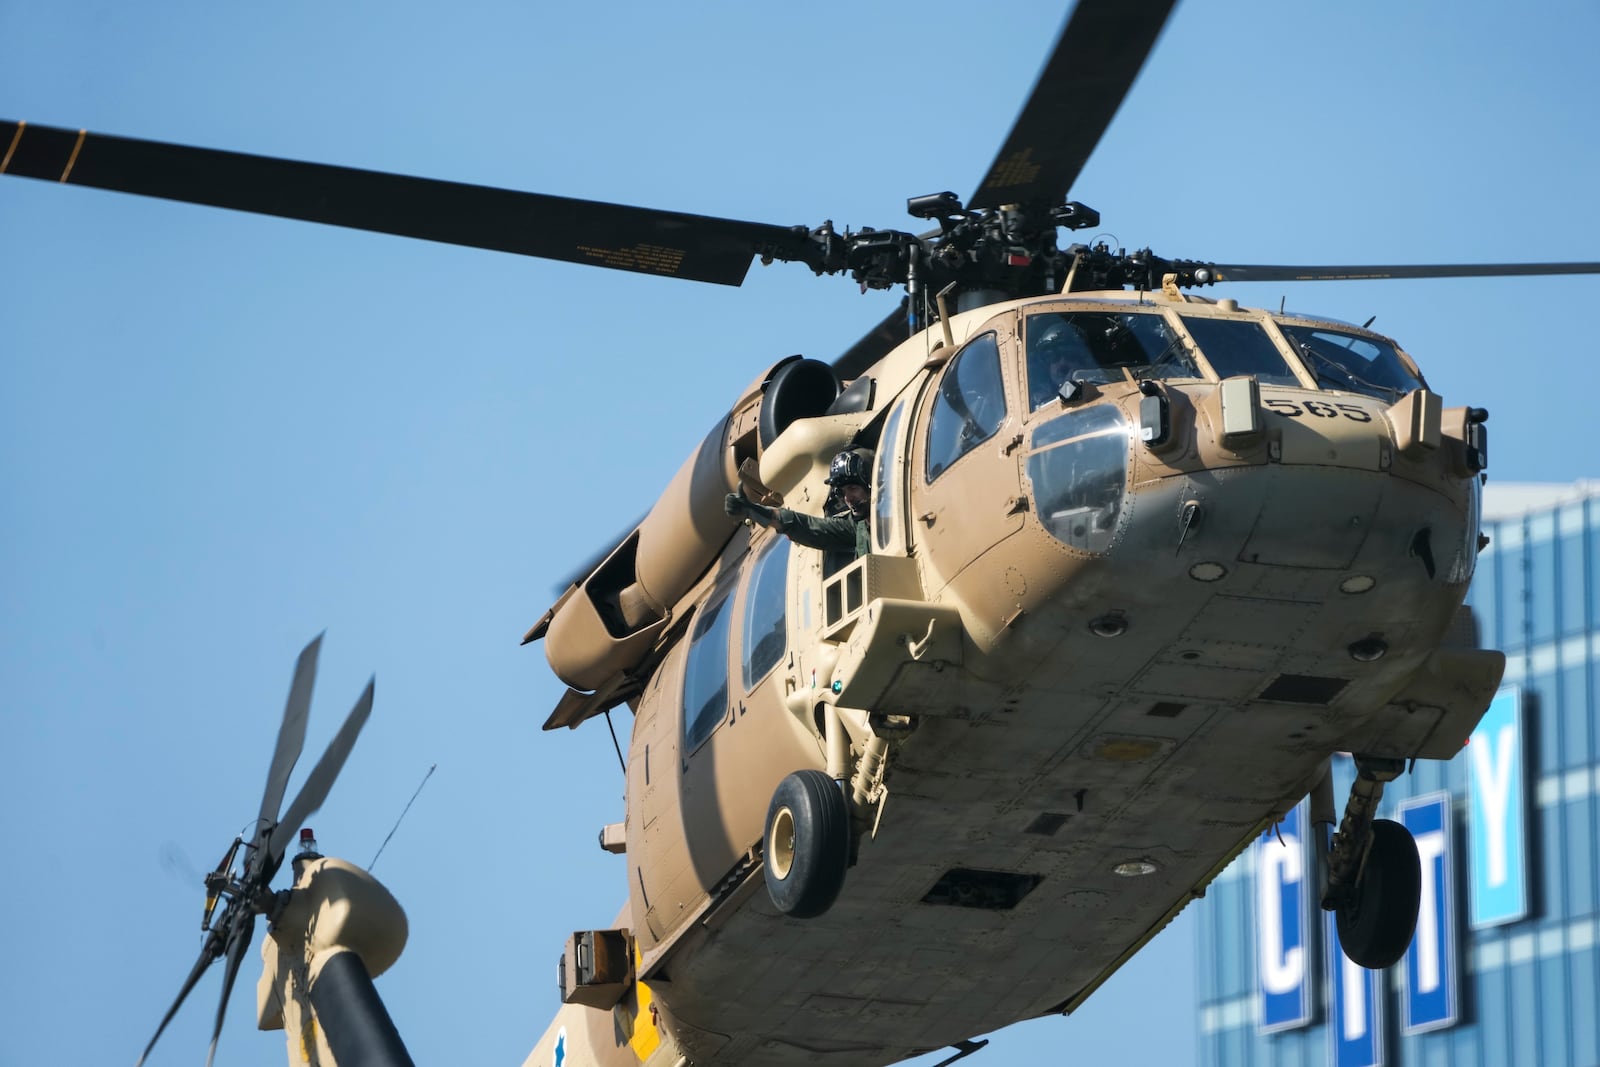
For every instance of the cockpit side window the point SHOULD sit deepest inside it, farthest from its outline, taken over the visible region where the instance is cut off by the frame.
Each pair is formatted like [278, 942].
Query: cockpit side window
[1236, 347]
[705, 674]
[1351, 362]
[970, 404]
[765, 630]
[1101, 347]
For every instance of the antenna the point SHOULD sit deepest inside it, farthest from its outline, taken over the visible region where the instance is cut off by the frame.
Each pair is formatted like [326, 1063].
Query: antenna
[431, 768]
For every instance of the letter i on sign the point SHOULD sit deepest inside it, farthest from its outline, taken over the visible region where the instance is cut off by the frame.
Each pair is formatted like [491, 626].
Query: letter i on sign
[1355, 1001]
[1430, 963]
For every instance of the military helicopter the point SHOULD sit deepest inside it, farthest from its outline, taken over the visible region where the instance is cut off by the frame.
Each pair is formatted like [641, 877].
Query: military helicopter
[330, 934]
[1013, 387]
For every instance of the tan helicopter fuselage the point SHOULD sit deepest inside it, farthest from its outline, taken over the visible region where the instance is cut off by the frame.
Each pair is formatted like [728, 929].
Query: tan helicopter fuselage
[1104, 637]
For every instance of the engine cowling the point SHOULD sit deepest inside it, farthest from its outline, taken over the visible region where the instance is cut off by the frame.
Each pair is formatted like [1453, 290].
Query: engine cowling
[609, 622]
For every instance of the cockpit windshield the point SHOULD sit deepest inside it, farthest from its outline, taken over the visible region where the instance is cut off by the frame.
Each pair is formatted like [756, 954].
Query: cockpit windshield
[1351, 362]
[1101, 347]
[1235, 347]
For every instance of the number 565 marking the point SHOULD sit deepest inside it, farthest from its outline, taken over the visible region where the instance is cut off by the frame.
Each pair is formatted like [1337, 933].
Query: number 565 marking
[1319, 409]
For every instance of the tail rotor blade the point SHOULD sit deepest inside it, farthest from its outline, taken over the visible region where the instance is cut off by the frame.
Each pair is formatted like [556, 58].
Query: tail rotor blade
[317, 784]
[291, 734]
[238, 942]
[212, 949]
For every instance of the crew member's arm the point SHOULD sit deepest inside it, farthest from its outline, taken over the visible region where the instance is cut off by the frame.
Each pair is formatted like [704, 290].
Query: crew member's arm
[834, 533]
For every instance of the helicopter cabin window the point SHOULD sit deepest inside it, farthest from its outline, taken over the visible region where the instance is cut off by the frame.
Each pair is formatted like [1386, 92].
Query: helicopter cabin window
[1234, 347]
[1351, 362]
[1101, 347]
[884, 482]
[765, 624]
[970, 405]
[705, 674]
[1079, 471]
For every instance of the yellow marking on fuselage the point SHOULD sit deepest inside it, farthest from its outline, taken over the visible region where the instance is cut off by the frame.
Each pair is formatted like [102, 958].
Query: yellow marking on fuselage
[16, 139]
[643, 1037]
[646, 1038]
[76, 148]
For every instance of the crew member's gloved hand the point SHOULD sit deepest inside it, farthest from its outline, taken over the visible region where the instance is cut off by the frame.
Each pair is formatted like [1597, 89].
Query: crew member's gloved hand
[737, 504]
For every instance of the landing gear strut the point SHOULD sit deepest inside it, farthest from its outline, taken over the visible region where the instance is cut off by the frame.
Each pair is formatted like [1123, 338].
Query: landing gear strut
[1374, 876]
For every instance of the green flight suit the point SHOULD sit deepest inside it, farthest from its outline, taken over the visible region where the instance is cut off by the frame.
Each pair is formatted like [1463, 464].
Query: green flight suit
[833, 533]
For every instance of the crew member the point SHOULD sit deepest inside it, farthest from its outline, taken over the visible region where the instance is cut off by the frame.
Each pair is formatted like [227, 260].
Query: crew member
[851, 478]
[1052, 357]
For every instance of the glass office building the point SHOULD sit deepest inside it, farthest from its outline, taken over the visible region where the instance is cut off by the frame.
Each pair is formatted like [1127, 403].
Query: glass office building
[1505, 965]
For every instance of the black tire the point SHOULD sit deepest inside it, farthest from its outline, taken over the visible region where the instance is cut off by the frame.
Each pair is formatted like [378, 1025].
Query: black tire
[806, 844]
[1376, 923]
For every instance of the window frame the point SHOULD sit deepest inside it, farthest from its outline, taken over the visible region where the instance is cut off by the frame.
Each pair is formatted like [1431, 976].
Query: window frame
[1282, 325]
[757, 570]
[720, 602]
[888, 483]
[937, 397]
[1279, 341]
[1168, 318]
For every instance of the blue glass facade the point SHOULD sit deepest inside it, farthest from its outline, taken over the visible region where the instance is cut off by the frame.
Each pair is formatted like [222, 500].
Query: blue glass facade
[1524, 981]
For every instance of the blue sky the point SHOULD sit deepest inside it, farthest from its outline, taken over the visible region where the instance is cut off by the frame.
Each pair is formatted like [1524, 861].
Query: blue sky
[220, 435]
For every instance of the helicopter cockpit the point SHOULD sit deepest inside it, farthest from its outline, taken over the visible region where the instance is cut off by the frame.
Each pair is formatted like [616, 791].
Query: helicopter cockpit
[1078, 460]
[1098, 347]
[1104, 347]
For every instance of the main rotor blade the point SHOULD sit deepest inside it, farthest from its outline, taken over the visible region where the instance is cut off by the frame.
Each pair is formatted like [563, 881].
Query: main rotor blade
[208, 954]
[238, 942]
[875, 343]
[694, 247]
[873, 346]
[582, 570]
[1097, 57]
[317, 784]
[291, 735]
[1255, 272]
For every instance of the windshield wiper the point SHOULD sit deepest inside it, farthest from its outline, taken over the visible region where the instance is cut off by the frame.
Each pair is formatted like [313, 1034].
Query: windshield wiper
[1352, 380]
[1174, 347]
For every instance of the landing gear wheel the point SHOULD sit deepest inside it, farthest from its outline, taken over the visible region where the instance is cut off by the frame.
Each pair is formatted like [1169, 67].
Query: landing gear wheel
[807, 844]
[1377, 920]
